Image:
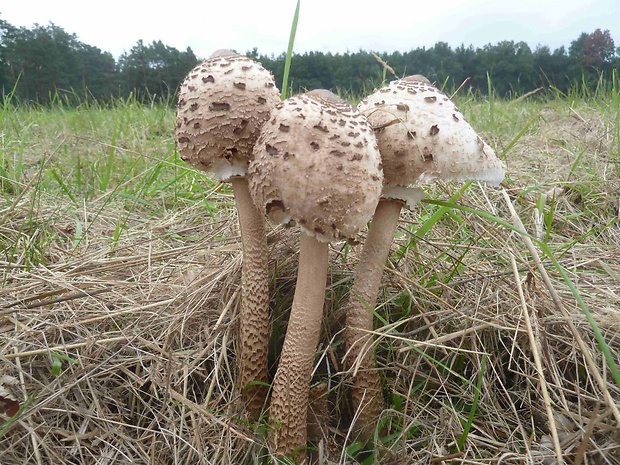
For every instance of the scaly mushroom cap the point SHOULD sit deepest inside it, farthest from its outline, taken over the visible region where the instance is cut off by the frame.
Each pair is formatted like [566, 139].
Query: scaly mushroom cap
[316, 163]
[223, 102]
[422, 137]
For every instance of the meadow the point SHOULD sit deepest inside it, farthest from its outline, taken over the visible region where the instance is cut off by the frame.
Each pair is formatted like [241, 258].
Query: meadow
[498, 334]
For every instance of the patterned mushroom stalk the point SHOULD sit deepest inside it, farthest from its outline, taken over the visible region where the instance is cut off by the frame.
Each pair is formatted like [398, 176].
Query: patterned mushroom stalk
[223, 103]
[316, 164]
[422, 137]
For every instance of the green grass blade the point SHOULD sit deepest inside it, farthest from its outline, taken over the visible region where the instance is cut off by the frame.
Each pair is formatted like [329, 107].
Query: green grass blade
[289, 52]
[62, 185]
[474, 406]
[5, 426]
[491, 97]
[520, 134]
[445, 207]
[7, 101]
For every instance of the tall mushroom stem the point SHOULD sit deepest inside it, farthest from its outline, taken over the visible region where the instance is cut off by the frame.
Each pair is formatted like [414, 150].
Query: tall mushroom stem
[289, 398]
[366, 388]
[254, 314]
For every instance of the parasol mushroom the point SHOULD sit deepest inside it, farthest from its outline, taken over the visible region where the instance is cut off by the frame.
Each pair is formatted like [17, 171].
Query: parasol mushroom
[422, 137]
[223, 102]
[316, 164]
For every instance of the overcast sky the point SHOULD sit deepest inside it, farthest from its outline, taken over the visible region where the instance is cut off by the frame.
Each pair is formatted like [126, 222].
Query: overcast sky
[325, 25]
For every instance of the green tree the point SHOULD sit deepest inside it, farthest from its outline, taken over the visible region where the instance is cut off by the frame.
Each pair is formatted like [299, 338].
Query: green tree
[590, 55]
[99, 76]
[155, 71]
[6, 81]
[47, 62]
[598, 50]
[551, 67]
[469, 61]
[510, 65]
[443, 65]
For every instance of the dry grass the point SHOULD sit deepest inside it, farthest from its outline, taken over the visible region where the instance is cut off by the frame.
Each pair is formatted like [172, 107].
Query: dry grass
[484, 359]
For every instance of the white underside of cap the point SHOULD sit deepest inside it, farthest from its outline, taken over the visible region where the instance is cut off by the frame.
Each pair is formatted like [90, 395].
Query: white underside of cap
[409, 195]
[318, 236]
[283, 218]
[222, 170]
[491, 176]
[278, 216]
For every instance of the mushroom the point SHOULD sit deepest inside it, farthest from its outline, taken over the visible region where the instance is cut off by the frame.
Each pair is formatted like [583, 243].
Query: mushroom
[422, 137]
[223, 102]
[316, 163]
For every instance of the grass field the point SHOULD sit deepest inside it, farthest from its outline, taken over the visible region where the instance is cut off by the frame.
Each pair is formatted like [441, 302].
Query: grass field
[120, 271]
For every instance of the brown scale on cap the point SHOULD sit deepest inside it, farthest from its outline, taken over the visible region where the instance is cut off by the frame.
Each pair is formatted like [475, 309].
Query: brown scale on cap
[416, 78]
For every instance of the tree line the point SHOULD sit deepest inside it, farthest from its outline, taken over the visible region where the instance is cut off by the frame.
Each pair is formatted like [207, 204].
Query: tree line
[45, 63]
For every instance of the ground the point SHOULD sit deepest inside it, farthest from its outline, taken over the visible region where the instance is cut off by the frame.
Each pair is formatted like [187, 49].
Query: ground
[120, 273]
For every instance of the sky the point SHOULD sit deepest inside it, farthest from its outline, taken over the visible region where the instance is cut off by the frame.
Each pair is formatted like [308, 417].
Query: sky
[335, 26]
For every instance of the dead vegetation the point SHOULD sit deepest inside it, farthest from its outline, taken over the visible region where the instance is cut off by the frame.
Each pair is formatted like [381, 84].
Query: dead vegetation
[124, 351]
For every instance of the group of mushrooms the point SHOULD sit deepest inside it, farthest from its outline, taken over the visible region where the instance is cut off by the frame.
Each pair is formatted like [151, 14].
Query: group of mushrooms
[317, 162]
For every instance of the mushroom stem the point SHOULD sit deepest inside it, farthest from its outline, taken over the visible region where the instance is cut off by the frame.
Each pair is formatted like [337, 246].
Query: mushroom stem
[289, 398]
[366, 384]
[254, 314]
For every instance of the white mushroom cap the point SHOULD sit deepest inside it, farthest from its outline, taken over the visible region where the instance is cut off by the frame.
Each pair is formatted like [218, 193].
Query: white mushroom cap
[316, 163]
[223, 102]
[423, 137]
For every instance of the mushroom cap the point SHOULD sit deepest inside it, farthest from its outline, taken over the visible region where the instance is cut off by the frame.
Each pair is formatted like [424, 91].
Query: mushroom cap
[316, 163]
[423, 137]
[223, 102]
